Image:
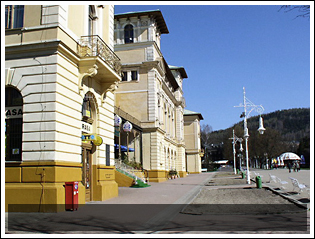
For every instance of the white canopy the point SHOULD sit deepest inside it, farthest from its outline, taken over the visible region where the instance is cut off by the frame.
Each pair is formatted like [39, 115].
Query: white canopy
[221, 161]
[289, 156]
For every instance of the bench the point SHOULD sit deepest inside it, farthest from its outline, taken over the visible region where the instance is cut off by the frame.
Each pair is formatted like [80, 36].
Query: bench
[272, 178]
[281, 182]
[296, 184]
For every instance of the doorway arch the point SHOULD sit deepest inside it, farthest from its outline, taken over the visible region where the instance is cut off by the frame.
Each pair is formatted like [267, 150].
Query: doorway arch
[89, 116]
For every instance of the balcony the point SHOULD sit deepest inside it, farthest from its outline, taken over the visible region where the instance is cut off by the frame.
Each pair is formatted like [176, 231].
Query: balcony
[96, 55]
[181, 101]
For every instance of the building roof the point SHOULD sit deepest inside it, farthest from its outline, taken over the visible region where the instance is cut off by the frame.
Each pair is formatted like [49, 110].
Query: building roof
[180, 69]
[157, 14]
[188, 112]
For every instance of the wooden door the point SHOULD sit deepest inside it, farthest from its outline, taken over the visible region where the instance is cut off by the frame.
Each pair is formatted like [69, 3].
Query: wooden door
[86, 172]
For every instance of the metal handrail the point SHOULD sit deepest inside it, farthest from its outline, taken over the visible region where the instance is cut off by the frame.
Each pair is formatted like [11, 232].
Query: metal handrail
[93, 45]
[127, 169]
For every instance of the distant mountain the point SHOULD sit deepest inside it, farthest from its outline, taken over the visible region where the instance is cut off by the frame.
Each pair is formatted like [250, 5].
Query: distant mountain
[292, 124]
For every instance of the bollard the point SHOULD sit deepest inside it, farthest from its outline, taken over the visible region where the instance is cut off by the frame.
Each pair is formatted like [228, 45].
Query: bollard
[258, 182]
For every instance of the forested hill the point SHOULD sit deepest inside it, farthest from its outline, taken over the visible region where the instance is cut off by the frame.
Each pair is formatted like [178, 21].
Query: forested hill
[286, 130]
[291, 124]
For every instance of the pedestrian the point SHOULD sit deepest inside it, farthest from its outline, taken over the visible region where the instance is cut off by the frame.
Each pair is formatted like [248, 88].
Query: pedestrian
[298, 166]
[289, 166]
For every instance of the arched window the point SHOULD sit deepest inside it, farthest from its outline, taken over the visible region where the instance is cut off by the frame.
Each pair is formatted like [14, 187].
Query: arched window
[13, 124]
[128, 33]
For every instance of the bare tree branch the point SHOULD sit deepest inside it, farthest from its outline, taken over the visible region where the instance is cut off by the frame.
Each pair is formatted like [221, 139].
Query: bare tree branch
[303, 9]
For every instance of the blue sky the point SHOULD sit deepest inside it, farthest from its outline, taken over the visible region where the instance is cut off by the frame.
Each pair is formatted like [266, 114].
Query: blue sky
[224, 48]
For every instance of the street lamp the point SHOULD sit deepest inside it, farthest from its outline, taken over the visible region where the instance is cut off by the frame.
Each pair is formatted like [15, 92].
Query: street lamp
[235, 140]
[127, 127]
[117, 123]
[259, 108]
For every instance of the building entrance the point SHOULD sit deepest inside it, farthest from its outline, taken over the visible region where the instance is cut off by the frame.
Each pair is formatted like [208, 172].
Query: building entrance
[87, 171]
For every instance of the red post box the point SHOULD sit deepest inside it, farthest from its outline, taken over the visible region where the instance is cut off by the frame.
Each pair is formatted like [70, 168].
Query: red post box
[72, 197]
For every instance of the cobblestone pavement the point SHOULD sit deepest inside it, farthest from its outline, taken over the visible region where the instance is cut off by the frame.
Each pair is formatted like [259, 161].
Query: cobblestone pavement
[163, 208]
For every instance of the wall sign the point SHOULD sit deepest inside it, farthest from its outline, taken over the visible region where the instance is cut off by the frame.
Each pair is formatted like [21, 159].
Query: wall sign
[86, 127]
[13, 112]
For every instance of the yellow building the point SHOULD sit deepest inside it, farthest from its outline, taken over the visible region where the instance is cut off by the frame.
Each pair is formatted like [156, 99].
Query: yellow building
[193, 141]
[60, 77]
[151, 92]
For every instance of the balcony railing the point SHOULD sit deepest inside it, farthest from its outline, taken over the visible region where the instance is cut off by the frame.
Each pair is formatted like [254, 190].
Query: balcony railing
[94, 46]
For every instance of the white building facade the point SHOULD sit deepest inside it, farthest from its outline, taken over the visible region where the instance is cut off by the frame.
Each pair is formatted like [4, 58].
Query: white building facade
[61, 73]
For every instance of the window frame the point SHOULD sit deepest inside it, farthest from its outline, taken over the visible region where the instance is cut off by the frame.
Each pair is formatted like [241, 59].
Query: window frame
[128, 75]
[128, 33]
[14, 16]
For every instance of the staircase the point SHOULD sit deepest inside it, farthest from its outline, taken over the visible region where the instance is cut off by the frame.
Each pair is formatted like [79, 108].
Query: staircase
[136, 178]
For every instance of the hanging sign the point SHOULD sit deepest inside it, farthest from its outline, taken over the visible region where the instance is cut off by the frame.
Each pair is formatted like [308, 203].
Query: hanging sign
[117, 131]
[127, 127]
[96, 140]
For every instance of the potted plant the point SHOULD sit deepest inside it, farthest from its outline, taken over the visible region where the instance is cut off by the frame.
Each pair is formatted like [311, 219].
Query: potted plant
[173, 173]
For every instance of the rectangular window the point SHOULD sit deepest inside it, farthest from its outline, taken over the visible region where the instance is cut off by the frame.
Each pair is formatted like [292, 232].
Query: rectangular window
[134, 75]
[14, 16]
[124, 76]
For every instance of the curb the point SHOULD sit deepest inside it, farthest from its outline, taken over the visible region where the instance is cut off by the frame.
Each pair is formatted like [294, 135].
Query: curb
[281, 193]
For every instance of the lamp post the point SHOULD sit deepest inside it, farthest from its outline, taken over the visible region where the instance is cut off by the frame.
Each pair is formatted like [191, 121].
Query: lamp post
[247, 104]
[235, 140]
[117, 123]
[127, 127]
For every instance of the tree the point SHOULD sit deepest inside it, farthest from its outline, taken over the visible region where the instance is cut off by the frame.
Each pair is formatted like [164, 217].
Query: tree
[303, 9]
[205, 134]
[304, 149]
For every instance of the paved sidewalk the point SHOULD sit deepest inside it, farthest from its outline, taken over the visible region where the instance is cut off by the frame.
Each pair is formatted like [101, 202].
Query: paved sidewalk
[173, 191]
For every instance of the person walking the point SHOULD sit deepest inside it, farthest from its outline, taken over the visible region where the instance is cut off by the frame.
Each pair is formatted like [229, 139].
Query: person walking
[289, 166]
[294, 166]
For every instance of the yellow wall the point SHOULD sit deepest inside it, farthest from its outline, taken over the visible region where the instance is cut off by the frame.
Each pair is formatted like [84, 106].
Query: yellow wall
[28, 183]
[75, 24]
[157, 175]
[104, 184]
[123, 180]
